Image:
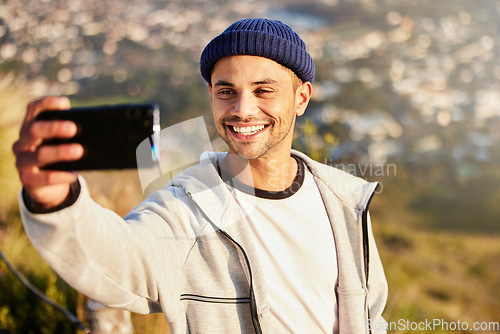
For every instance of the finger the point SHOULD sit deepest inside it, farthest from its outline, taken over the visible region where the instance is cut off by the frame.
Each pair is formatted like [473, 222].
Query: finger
[36, 178]
[37, 106]
[49, 154]
[53, 129]
[38, 131]
[26, 140]
[22, 146]
[47, 103]
[67, 152]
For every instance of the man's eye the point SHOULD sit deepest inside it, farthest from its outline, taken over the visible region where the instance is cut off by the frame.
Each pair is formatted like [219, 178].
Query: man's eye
[225, 92]
[263, 91]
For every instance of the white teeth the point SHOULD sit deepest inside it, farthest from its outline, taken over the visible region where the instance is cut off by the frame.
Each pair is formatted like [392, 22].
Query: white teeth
[248, 130]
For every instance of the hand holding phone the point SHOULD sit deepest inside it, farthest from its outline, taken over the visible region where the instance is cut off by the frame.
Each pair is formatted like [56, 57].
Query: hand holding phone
[46, 189]
[108, 134]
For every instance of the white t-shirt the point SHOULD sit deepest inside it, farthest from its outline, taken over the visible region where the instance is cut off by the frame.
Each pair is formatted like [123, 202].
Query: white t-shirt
[295, 243]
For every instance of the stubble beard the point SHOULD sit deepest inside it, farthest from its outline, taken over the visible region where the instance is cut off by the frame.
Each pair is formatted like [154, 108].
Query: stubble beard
[273, 140]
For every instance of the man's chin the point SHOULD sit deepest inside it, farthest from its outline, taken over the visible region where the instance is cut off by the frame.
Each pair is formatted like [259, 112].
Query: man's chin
[246, 154]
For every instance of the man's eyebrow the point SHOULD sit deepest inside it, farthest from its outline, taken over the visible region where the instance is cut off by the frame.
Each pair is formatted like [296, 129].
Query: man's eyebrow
[223, 83]
[267, 81]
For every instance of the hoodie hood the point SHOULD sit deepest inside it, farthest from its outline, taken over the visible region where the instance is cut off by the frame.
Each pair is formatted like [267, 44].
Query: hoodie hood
[203, 184]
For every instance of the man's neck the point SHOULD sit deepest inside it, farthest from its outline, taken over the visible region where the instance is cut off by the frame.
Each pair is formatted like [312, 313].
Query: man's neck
[266, 173]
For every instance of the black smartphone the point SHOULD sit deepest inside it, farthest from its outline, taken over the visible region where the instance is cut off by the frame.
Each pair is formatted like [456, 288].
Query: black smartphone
[110, 135]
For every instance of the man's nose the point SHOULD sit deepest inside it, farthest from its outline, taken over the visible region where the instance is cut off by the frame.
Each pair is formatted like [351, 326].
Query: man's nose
[245, 106]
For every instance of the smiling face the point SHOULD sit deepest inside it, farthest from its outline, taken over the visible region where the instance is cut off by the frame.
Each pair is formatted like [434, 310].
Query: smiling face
[254, 104]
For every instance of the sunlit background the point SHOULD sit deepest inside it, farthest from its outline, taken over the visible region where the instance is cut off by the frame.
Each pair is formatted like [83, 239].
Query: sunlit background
[407, 93]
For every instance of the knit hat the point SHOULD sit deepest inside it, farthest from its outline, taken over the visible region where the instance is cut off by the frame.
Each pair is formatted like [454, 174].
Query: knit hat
[259, 37]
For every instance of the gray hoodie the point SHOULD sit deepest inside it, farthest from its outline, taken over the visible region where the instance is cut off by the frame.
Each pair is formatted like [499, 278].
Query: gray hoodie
[185, 251]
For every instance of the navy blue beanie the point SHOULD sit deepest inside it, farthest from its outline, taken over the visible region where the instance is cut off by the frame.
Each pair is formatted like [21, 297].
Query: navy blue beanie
[259, 37]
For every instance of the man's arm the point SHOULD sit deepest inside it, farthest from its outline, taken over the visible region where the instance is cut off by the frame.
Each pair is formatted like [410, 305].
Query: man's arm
[133, 262]
[119, 262]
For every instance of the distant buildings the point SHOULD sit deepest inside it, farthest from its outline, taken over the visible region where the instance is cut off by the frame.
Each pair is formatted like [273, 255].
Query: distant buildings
[436, 76]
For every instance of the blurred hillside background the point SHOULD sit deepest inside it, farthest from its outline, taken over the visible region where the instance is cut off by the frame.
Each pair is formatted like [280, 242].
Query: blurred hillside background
[407, 93]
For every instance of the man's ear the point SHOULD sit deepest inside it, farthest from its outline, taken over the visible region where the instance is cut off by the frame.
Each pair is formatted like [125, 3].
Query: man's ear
[302, 98]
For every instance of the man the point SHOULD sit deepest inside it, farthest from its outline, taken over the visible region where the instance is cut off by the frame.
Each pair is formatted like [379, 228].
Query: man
[259, 240]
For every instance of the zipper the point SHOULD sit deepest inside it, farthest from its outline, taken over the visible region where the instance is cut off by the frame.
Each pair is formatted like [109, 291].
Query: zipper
[253, 304]
[366, 248]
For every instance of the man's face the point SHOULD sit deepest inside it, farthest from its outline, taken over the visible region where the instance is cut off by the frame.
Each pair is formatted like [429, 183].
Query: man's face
[254, 105]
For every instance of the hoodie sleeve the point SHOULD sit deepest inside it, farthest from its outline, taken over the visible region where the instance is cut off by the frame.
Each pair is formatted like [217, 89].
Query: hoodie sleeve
[133, 262]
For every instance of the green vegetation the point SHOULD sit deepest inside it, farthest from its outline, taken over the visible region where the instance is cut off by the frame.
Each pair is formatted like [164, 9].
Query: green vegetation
[434, 272]
[20, 310]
